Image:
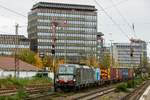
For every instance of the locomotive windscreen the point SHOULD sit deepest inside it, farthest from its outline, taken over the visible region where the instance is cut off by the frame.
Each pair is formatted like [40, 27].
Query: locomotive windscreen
[66, 69]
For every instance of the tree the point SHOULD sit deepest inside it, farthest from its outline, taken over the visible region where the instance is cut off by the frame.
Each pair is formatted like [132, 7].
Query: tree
[144, 62]
[38, 62]
[61, 61]
[92, 61]
[106, 61]
[48, 61]
[27, 56]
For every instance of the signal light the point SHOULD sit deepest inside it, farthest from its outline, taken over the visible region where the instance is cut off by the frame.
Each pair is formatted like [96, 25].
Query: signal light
[53, 51]
[53, 46]
[131, 52]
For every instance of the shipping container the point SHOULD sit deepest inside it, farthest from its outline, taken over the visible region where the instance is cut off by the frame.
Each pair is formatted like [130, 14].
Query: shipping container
[105, 73]
[130, 73]
[119, 73]
[113, 74]
[124, 73]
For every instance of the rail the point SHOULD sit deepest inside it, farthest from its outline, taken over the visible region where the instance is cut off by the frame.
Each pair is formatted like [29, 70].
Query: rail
[136, 94]
[30, 89]
[95, 94]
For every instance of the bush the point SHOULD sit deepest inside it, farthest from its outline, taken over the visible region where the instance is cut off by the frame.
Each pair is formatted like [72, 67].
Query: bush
[131, 83]
[122, 87]
[138, 81]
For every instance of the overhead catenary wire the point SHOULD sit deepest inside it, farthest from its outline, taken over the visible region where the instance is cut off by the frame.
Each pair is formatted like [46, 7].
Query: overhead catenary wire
[10, 10]
[15, 12]
[122, 16]
[114, 22]
[117, 4]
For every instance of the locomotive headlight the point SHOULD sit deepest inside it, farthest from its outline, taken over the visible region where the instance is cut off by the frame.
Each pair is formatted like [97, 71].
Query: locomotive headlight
[74, 80]
[57, 80]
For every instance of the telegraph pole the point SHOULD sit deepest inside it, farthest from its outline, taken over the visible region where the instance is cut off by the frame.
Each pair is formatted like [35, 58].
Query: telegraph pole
[16, 52]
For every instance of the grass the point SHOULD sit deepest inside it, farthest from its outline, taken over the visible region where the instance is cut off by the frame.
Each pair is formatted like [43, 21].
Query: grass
[20, 84]
[122, 87]
[129, 84]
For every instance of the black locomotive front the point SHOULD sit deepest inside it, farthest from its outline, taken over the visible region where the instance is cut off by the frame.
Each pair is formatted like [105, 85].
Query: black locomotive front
[65, 77]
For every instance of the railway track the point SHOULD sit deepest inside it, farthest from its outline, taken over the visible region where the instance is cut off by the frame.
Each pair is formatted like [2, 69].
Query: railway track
[95, 94]
[85, 94]
[136, 94]
[31, 89]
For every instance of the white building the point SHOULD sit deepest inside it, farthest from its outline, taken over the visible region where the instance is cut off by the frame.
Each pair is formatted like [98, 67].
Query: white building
[7, 68]
[122, 53]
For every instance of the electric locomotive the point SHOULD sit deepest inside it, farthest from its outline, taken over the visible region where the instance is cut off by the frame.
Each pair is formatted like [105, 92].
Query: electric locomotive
[74, 76]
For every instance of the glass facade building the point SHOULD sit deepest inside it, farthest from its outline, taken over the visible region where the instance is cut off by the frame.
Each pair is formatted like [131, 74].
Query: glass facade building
[122, 53]
[8, 44]
[75, 39]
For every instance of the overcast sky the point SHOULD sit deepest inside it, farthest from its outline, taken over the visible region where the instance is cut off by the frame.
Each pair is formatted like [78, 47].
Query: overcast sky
[134, 11]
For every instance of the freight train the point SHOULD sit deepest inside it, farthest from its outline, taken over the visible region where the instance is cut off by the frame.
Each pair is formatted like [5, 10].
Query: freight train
[74, 76]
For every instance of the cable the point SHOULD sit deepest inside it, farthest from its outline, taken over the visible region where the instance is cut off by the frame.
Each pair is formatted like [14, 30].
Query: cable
[13, 11]
[124, 19]
[109, 7]
[111, 19]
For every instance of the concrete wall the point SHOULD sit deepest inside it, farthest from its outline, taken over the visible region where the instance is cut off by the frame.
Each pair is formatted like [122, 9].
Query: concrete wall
[22, 74]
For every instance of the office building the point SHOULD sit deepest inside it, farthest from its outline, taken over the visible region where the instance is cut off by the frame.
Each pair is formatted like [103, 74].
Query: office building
[129, 54]
[76, 33]
[8, 43]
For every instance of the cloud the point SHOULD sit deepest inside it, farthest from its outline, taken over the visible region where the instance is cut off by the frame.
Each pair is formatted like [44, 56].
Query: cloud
[7, 25]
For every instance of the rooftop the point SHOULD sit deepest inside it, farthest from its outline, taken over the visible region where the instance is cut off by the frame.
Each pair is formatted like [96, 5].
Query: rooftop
[8, 64]
[63, 6]
[4, 37]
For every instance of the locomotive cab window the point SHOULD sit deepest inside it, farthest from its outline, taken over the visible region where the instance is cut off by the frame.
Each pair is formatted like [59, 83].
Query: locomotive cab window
[66, 69]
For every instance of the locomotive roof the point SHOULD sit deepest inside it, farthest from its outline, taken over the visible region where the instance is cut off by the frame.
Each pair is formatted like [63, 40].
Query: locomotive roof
[75, 65]
[87, 67]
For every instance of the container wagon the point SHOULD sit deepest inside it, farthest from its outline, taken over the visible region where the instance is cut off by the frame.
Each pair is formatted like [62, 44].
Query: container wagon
[105, 75]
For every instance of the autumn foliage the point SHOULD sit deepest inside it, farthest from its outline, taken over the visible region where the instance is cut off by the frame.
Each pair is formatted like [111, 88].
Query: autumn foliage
[34, 59]
[38, 62]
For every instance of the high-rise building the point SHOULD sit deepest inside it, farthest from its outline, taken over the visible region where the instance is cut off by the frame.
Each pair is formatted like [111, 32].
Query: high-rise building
[8, 43]
[76, 33]
[130, 54]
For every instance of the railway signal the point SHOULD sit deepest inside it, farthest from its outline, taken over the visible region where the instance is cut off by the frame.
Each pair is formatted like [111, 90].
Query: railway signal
[54, 24]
